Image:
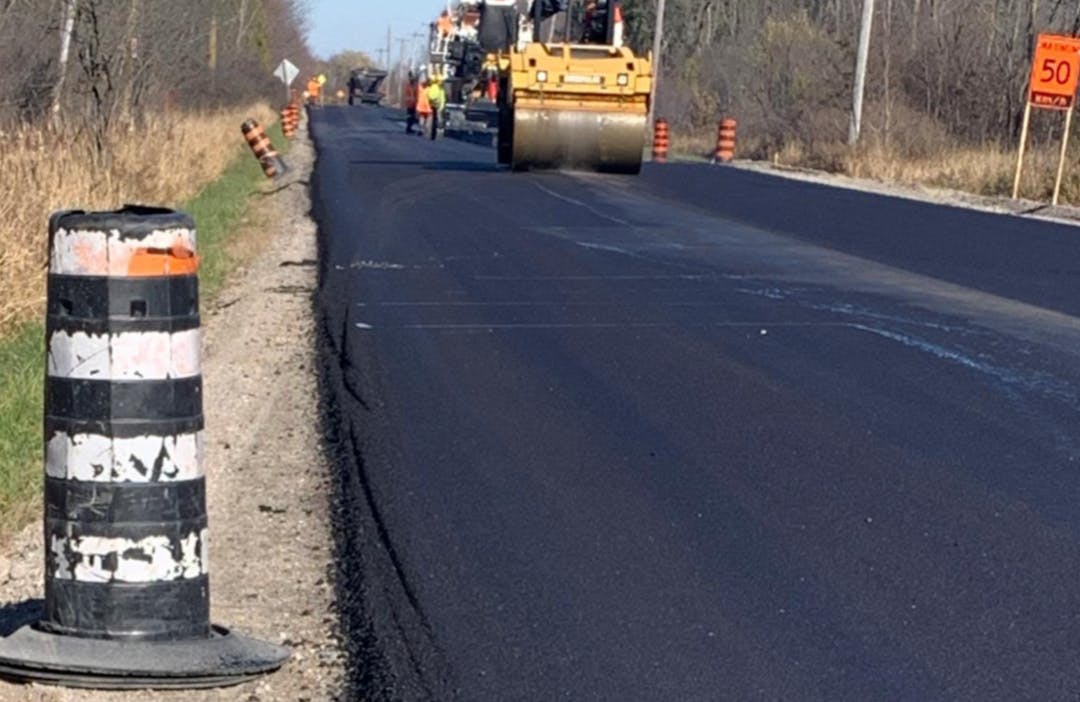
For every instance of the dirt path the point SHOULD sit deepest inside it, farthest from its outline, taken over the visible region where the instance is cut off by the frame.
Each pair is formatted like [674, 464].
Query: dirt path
[271, 545]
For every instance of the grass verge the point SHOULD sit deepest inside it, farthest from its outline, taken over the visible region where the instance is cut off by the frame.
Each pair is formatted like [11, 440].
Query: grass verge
[218, 209]
[986, 169]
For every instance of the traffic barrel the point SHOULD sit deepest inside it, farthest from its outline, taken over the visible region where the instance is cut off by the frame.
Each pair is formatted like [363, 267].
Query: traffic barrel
[127, 581]
[725, 141]
[660, 141]
[269, 159]
[288, 126]
[294, 118]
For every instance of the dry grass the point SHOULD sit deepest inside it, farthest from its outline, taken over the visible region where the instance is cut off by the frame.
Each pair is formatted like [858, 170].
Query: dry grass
[984, 170]
[164, 162]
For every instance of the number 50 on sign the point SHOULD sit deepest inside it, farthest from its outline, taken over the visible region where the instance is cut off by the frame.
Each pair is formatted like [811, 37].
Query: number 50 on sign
[1055, 72]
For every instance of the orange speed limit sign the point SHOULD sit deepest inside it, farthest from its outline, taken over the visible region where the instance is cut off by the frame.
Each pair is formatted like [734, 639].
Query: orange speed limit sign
[1055, 71]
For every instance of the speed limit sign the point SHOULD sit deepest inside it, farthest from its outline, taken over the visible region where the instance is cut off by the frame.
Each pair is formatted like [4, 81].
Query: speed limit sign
[1055, 71]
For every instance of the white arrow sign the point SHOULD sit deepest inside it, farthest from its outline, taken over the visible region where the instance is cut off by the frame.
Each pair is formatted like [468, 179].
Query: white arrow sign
[287, 72]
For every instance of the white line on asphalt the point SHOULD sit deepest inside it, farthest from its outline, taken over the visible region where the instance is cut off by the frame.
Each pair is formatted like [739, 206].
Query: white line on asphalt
[586, 206]
[684, 276]
[705, 303]
[625, 325]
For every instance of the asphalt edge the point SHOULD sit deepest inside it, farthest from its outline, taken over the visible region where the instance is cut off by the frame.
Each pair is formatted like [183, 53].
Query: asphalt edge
[390, 649]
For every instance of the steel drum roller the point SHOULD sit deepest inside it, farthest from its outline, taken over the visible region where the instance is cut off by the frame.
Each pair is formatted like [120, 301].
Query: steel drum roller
[546, 137]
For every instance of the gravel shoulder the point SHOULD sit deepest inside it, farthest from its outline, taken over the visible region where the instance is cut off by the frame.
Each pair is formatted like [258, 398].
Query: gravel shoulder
[268, 479]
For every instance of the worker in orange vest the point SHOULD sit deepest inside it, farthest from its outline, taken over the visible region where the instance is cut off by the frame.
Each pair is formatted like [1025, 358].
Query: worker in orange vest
[446, 25]
[410, 98]
[423, 107]
[313, 90]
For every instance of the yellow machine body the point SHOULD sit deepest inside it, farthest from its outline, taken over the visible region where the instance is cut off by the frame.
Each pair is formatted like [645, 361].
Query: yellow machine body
[577, 106]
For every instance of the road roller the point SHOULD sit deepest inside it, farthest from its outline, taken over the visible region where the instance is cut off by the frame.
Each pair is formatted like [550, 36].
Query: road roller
[581, 103]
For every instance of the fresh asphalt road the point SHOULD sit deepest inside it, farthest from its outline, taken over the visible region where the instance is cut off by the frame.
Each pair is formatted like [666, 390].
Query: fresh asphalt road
[701, 434]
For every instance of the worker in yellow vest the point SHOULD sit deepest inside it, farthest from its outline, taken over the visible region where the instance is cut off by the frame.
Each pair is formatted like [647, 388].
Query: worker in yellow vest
[436, 95]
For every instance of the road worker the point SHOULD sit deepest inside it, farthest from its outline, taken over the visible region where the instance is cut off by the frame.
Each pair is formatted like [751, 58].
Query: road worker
[436, 96]
[409, 99]
[314, 90]
[445, 24]
[423, 107]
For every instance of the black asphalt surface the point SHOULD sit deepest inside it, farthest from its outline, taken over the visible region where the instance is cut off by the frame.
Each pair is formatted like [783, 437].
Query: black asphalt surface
[702, 434]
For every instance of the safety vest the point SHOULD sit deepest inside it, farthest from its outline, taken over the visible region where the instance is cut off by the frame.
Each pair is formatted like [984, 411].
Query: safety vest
[422, 104]
[436, 96]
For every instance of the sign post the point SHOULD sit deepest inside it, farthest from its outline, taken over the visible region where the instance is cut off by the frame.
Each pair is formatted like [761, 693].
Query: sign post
[286, 72]
[1055, 72]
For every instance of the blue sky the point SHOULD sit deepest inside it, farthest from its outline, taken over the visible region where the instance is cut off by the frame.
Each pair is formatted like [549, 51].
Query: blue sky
[336, 25]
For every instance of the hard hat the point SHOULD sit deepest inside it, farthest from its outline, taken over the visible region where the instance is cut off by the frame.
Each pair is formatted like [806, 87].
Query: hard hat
[321, 79]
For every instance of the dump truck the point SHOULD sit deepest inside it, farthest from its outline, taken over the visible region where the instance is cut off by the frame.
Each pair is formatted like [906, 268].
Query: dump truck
[579, 100]
[365, 86]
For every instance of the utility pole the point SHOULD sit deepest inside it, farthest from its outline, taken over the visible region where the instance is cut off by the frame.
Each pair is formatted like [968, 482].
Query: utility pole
[658, 43]
[68, 25]
[131, 55]
[860, 71]
[418, 40]
[389, 45]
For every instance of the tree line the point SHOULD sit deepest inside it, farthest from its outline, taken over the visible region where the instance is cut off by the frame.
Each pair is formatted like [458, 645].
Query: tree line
[103, 63]
[939, 70]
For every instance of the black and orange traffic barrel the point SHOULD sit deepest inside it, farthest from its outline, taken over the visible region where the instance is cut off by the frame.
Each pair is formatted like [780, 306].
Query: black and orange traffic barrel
[725, 141]
[127, 581]
[288, 126]
[660, 141]
[268, 158]
[294, 119]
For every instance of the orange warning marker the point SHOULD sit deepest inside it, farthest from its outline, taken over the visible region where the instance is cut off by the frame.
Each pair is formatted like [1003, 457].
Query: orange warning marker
[660, 141]
[725, 141]
[271, 163]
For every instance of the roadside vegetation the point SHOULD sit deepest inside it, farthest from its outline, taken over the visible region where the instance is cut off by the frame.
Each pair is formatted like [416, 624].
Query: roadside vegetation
[945, 86]
[115, 102]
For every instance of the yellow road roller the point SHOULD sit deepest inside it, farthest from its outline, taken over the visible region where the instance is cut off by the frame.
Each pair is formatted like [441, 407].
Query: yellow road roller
[579, 104]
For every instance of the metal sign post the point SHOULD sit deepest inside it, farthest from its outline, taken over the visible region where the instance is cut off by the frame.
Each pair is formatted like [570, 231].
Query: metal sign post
[1055, 73]
[1061, 160]
[286, 72]
[1023, 148]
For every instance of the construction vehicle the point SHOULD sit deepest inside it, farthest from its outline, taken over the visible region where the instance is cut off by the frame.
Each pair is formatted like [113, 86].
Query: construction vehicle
[578, 101]
[456, 57]
[365, 86]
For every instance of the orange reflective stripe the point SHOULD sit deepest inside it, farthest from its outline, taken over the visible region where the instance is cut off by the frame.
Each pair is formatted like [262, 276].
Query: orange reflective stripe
[177, 260]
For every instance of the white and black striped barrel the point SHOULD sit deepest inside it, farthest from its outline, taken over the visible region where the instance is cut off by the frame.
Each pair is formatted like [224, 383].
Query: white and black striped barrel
[125, 507]
[127, 593]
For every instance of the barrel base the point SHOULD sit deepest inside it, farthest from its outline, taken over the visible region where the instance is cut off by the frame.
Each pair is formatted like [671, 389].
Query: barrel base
[33, 655]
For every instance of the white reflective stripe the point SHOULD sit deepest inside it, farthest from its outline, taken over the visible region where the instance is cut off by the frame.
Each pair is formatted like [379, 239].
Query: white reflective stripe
[127, 356]
[143, 459]
[149, 560]
[89, 252]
